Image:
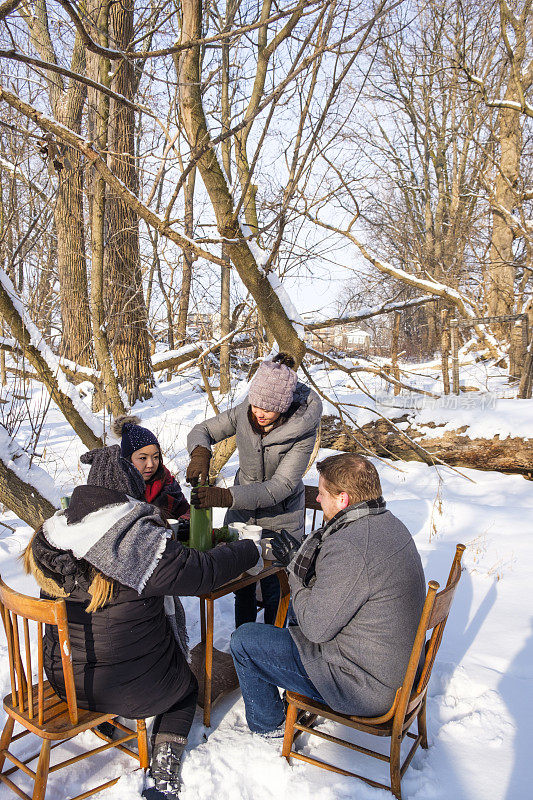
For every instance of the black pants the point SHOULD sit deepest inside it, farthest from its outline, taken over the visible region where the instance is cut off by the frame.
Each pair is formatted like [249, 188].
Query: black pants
[178, 718]
[246, 604]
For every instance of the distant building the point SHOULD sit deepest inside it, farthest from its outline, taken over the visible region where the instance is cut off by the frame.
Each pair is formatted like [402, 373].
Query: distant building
[342, 336]
[357, 338]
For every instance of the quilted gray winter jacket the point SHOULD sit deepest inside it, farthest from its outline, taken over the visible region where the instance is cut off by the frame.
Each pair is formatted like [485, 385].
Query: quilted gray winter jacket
[357, 621]
[268, 488]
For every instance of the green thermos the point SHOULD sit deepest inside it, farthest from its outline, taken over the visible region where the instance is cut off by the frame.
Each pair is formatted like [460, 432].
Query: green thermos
[200, 536]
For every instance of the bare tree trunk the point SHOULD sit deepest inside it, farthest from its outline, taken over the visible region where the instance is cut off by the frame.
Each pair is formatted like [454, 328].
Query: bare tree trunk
[225, 273]
[526, 379]
[217, 187]
[99, 121]
[69, 219]
[3, 374]
[71, 263]
[394, 349]
[445, 350]
[188, 259]
[225, 323]
[501, 273]
[454, 335]
[125, 307]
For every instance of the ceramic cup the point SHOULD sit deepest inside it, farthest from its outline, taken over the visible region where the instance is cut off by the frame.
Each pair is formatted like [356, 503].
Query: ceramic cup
[251, 532]
[236, 528]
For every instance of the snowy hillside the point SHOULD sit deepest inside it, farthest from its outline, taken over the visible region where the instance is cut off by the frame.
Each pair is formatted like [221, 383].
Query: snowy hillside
[480, 698]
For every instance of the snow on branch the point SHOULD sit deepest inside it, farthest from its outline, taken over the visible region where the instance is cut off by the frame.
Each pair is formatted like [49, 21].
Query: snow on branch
[288, 306]
[25, 488]
[368, 312]
[47, 365]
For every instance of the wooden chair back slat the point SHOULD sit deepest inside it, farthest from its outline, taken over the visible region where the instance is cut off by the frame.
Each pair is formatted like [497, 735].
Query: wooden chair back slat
[29, 671]
[6, 620]
[40, 673]
[19, 668]
[416, 651]
[66, 660]
[441, 607]
[438, 618]
[49, 612]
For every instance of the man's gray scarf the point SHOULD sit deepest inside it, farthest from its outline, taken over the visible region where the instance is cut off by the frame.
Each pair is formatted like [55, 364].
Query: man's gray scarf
[125, 542]
[303, 564]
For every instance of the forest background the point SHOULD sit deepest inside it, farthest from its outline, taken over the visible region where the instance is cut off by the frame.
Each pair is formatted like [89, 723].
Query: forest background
[163, 162]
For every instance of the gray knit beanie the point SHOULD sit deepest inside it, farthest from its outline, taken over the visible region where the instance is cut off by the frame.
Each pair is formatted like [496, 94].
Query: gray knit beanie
[112, 471]
[273, 385]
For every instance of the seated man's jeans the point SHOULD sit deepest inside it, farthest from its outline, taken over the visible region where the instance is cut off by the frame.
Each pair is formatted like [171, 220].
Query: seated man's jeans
[266, 657]
[246, 604]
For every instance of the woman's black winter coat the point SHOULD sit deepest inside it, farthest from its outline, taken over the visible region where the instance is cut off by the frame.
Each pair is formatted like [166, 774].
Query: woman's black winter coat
[125, 658]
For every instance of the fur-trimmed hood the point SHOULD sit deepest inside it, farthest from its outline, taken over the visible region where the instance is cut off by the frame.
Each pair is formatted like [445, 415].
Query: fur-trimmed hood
[120, 537]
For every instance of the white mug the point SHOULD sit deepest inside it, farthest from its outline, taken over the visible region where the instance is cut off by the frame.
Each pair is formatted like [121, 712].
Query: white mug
[236, 528]
[251, 532]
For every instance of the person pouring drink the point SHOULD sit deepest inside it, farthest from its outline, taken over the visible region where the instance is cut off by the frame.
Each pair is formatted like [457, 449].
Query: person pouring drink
[276, 428]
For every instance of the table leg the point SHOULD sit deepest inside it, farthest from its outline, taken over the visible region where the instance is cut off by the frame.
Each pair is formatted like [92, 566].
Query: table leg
[208, 674]
[202, 620]
[284, 597]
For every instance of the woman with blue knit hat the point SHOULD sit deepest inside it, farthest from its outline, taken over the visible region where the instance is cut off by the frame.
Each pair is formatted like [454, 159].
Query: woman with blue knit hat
[138, 454]
[276, 428]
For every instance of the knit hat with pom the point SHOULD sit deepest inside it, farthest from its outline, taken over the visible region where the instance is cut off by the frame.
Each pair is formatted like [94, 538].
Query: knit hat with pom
[132, 436]
[273, 385]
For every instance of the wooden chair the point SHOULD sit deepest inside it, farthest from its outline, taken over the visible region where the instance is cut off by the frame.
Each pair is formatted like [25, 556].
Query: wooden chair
[409, 703]
[38, 708]
[311, 493]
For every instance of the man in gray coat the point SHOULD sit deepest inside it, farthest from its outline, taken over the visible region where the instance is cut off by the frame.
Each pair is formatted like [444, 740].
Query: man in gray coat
[275, 428]
[357, 588]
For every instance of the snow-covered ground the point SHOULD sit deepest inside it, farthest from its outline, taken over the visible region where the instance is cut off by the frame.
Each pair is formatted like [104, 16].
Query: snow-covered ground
[480, 698]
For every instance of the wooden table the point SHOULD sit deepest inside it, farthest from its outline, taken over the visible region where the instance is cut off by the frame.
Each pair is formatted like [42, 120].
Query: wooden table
[203, 655]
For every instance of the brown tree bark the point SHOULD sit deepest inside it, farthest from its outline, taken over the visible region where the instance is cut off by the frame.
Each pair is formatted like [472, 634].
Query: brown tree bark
[23, 499]
[501, 273]
[515, 33]
[98, 122]
[188, 259]
[124, 300]
[67, 107]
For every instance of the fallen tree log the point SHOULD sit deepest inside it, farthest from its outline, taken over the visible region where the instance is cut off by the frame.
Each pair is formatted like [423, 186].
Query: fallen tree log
[511, 455]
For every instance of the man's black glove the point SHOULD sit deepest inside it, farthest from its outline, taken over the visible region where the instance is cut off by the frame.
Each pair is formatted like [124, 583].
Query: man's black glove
[211, 497]
[284, 547]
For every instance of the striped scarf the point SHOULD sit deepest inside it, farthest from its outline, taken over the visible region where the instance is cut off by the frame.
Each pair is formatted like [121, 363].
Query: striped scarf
[303, 564]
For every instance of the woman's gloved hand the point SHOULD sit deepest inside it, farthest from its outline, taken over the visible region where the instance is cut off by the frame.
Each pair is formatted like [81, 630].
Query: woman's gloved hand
[284, 547]
[198, 465]
[211, 497]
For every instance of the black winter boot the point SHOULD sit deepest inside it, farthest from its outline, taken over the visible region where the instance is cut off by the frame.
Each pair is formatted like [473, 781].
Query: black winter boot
[165, 766]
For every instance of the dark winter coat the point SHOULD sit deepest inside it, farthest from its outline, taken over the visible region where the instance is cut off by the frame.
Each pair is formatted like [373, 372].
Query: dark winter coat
[268, 488]
[164, 492]
[125, 658]
[357, 621]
